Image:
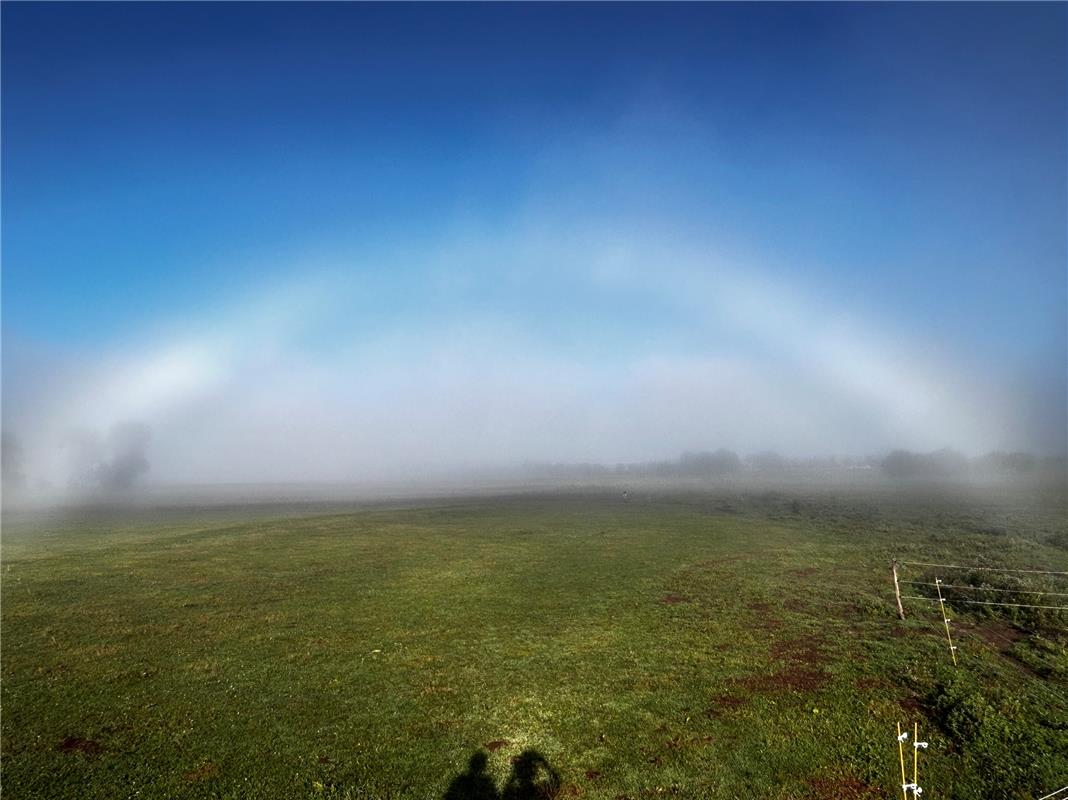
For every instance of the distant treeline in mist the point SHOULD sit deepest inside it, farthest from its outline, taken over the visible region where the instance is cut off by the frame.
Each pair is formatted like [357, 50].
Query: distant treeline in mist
[947, 462]
[699, 464]
[944, 463]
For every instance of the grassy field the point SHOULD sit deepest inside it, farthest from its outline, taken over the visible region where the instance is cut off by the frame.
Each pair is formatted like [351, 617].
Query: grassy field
[720, 643]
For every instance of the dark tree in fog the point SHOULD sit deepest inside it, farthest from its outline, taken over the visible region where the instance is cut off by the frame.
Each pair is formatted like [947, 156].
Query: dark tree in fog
[127, 443]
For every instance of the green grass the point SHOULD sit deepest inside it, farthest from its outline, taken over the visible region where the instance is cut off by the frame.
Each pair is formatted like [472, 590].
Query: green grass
[699, 644]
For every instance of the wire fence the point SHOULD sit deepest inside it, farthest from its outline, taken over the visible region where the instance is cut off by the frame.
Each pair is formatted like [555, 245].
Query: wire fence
[940, 584]
[1044, 689]
[981, 602]
[1046, 599]
[984, 569]
[986, 588]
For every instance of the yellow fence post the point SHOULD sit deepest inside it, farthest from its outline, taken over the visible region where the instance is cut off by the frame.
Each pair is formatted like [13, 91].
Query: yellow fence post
[901, 737]
[915, 752]
[916, 745]
[945, 621]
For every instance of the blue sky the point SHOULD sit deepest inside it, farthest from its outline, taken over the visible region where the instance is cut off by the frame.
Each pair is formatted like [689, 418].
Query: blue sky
[548, 176]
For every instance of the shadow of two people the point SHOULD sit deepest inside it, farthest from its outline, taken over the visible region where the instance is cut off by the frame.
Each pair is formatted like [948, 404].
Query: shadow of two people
[532, 778]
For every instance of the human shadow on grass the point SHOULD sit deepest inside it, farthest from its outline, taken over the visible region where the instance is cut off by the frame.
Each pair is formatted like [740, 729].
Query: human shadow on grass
[532, 778]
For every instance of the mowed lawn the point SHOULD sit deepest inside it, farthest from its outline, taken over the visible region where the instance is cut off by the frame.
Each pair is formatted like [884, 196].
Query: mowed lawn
[678, 645]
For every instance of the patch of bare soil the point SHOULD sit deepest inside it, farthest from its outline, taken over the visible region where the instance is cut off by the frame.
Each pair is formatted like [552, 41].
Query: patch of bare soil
[802, 672]
[793, 679]
[847, 788]
[672, 599]
[202, 773]
[766, 619]
[911, 704]
[723, 704]
[847, 611]
[76, 744]
[496, 745]
[802, 650]
[804, 657]
[1000, 635]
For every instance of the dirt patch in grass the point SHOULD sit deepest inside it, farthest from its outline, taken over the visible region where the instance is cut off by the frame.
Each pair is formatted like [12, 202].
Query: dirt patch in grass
[496, 745]
[1002, 637]
[802, 650]
[594, 775]
[725, 703]
[793, 679]
[871, 683]
[673, 599]
[847, 611]
[802, 672]
[912, 704]
[999, 635]
[76, 744]
[766, 620]
[202, 773]
[805, 572]
[841, 789]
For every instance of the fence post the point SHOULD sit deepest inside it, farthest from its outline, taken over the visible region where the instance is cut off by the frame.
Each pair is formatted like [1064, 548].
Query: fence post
[901, 737]
[897, 591]
[915, 757]
[945, 620]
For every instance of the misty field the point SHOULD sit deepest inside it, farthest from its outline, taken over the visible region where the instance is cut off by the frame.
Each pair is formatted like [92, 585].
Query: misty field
[718, 643]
